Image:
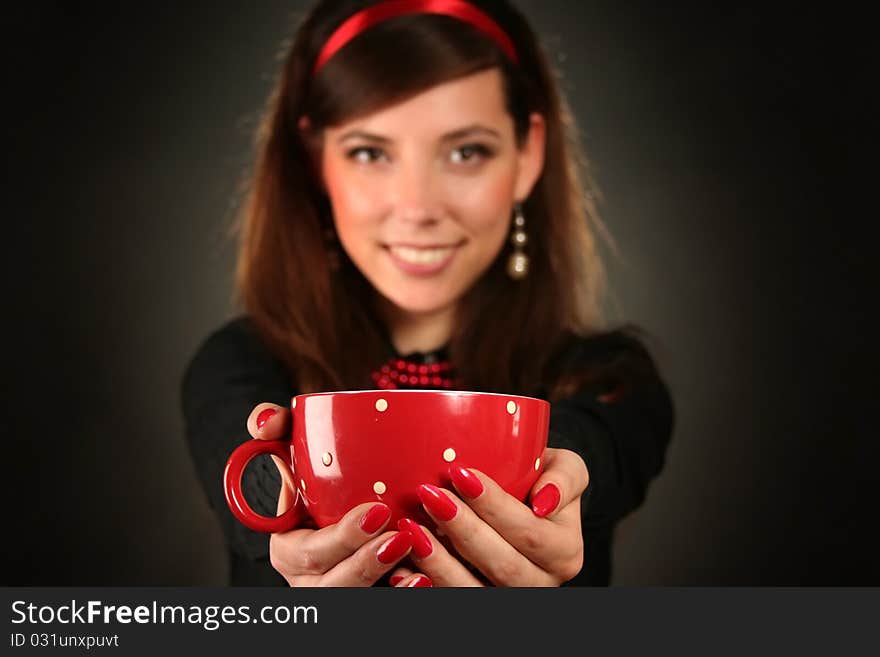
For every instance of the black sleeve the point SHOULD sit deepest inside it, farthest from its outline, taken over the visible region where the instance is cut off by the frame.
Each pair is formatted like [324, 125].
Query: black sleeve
[229, 374]
[622, 440]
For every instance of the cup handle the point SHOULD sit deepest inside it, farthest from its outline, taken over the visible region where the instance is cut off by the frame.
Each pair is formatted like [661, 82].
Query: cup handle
[235, 466]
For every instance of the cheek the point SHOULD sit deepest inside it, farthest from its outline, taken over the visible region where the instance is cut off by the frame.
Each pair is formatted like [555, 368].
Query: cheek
[351, 199]
[487, 206]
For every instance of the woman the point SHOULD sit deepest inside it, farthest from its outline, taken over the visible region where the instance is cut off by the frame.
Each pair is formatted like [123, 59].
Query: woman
[417, 220]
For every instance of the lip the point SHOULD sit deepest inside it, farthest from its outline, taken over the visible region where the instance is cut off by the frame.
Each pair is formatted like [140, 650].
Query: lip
[419, 269]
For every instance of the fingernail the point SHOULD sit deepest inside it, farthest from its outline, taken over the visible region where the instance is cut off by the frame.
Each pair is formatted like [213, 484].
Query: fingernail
[421, 544]
[394, 548]
[467, 483]
[374, 518]
[264, 416]
[421, 581]
[545, 500]
[394, 580]
[437, 502]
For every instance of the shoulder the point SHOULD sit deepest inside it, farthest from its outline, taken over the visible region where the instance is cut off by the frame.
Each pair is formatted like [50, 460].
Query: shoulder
[234, 342]
[234, 352]
[627, 341]
[619, 358]
[236, 338]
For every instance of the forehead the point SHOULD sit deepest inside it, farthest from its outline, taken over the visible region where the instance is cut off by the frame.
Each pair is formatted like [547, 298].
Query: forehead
[477, 98]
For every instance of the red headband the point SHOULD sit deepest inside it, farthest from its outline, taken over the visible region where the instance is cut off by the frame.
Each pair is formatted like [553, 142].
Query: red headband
[366, 18]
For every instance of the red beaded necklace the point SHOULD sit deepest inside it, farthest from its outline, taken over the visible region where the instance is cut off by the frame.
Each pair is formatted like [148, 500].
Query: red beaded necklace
[402, 373]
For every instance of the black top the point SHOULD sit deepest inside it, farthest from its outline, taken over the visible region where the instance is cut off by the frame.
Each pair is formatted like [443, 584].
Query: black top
[622, 442]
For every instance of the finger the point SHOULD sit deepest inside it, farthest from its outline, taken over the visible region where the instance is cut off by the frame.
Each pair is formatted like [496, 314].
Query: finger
[287, 495]
[370, 562]
[287, 477]
[318, 552]
[565, 477]
[478, 542]
[268, 421]
[414, 581]
[399, 574]
[431, 556]
[551, 545]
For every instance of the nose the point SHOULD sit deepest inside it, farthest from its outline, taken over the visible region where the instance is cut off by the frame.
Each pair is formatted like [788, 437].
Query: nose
[415, 194]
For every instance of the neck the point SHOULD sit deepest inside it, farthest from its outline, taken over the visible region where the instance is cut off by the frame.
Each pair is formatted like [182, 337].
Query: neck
[422, 332]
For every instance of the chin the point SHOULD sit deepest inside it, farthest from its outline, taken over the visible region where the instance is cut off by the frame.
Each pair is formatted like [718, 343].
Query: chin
[422, 301]
[421, 307]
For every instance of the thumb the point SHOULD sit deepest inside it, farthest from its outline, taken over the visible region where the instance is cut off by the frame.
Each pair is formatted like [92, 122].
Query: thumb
[565, 477]
[268, 421]
[271, 422]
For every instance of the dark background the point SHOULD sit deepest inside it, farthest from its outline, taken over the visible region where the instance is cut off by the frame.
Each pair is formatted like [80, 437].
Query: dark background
[725, 141]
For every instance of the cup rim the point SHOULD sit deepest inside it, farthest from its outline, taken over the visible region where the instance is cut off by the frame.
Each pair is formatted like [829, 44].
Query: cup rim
[432, 392]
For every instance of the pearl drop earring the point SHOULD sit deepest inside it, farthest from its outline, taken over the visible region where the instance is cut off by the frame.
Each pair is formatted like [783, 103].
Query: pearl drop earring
[518, 264]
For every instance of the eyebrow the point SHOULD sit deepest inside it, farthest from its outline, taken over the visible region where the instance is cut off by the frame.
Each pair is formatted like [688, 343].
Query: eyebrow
[467, 131]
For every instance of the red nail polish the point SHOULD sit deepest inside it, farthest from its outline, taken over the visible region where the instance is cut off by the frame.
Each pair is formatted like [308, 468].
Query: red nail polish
[421, 544]
[394, 580]
[394, 548]
[545, 500]
[264, 416]
[421, 581]
[437, 502]
[467, 483]
[374, 518]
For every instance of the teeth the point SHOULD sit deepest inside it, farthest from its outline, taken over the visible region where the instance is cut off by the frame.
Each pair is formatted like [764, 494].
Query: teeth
[421, 256]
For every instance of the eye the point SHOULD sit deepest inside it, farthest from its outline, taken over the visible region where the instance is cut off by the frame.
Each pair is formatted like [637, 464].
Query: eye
[470, 153]
[365, 154]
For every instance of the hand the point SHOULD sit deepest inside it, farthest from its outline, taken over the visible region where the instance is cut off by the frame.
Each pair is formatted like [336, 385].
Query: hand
[503, 539]
[350, 553]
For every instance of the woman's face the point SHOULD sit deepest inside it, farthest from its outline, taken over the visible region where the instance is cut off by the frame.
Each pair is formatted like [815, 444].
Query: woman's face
[422, 191]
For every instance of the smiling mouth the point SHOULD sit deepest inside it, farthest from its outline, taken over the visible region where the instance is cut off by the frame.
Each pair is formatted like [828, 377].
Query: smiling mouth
[423, 260]
[422, 255]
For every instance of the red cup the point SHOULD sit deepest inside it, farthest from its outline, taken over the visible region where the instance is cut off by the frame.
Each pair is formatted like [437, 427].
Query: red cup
[347, 448]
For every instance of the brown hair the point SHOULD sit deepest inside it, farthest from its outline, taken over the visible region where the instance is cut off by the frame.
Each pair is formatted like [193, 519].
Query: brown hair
[319, 318]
